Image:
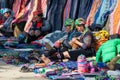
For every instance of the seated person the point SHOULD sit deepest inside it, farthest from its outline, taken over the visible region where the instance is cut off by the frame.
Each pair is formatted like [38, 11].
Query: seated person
[84, 43]
[40, 27]
[66, 43]
[5, 27]
[51, 38]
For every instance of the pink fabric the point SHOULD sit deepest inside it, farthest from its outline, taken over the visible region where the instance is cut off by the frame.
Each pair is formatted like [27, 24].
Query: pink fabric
[39, 5]
[16, 7]
[44, 5]
[34, 5]
[21, 11]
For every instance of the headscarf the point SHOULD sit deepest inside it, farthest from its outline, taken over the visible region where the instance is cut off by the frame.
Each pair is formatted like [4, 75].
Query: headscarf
[79, 21]
[4, 10]
[69, 22]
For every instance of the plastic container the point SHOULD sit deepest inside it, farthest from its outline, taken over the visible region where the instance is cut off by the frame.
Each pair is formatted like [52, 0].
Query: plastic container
[82, 64]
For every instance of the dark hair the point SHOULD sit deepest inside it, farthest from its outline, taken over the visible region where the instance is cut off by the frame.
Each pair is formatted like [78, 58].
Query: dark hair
[40, 15]
[8, 12]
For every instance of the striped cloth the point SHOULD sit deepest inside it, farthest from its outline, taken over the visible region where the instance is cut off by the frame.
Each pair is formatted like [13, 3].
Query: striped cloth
[40, 5]
[106, 7]
[95, 6]
[21, 13]
[33, 7]
[115, 19]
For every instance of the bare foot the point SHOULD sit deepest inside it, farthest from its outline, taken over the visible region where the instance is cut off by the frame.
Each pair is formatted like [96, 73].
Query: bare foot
[45, 59]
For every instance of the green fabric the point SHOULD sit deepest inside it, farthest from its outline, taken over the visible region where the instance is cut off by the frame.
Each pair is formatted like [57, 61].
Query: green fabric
[118, 48]
[69, 22]
[108, 57]
[107, 50]
[79, 21]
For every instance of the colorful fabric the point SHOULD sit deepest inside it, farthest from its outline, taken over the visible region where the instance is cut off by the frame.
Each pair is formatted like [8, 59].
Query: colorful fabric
[94, 8]
[106, 7]
[33, 7]
[37, 12]
[115, 20]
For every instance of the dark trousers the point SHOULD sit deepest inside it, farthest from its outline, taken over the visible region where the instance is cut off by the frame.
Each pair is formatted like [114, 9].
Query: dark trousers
[75, 53]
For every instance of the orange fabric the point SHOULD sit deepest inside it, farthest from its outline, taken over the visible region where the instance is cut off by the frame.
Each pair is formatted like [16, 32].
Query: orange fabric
[115, 19]
[99, 43]
[94, 8]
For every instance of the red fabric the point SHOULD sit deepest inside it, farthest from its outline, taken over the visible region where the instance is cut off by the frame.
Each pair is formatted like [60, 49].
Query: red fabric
[39, 24]
[37, 12]
[36, 43]
[1, 21]
[40, 37]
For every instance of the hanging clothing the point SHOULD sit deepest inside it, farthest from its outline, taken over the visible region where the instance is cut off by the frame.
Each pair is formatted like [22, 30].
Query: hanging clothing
[44, 7]
[107, 6]
[80, 8]
[115, 19]
[38, 5]
[21, 12]
[33, 7]
[9, 4]
[66, 12]
[55, 14]
[2, 3]
[94, 8]
[73, 9]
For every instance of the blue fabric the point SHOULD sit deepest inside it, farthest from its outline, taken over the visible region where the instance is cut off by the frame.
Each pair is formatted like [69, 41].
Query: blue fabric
[9, 4]
[55, 12]
[3, 4]
[106, 7]
[80, 8]
[73, 9]
[84, 8]
[7, 23]
[6, 3]
[74, 33]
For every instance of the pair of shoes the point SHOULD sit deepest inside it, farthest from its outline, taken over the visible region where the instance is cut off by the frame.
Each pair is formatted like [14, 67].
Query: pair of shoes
[26, 69]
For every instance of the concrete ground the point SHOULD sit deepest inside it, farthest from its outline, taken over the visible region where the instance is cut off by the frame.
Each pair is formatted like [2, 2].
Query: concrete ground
[11, 72]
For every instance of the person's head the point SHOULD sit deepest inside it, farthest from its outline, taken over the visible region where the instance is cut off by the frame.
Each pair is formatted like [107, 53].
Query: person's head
[5, 12]
[69, 24]
[37, 16]
[80, 24]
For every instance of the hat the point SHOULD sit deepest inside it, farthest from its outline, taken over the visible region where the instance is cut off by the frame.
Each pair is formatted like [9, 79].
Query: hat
[79, 21]
[4, 10]
[37, 12]
[69, 22]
